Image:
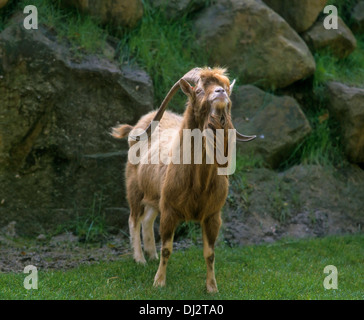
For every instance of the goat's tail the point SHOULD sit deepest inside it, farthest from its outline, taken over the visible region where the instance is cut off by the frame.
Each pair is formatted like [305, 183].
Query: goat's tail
[121, 131]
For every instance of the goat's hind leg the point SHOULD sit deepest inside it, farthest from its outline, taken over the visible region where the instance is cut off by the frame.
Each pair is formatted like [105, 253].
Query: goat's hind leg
[135, 218]
[148, 232]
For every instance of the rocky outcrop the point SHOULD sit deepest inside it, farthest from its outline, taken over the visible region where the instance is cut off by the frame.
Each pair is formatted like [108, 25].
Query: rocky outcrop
[341, 42]
[56, 153]
[255, 42]
[346, 104]
[300, 14]
[357, 18]
[124, 13]
[278, 122]
[304, 201]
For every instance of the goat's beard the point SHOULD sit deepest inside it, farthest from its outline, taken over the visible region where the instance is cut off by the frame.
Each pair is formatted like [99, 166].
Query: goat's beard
[220, 119]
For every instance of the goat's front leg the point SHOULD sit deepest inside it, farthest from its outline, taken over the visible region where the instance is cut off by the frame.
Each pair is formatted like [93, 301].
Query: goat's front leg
[210, 231]
[167, 227]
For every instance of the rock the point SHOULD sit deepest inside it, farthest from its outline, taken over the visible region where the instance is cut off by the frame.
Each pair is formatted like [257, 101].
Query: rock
[357, 18]
[300, 14]
[346, 104]
[256, 43]
[125, 13]
[9, 230]
[174, 8]
[341, 42]
[278, 122]
[56, 154]
[303, 201]
[64, 238]
[3, 3]
[42, 237]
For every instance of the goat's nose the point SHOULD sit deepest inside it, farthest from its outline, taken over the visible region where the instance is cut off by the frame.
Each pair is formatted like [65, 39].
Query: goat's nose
[219, 90]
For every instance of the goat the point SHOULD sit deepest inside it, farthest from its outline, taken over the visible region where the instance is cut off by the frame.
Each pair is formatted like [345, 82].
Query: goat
[179, 192]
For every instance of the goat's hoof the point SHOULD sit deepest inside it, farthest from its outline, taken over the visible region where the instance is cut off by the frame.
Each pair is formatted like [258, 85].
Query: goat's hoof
[140, 260]
[153, 256]
[159, 282]
[211, 288]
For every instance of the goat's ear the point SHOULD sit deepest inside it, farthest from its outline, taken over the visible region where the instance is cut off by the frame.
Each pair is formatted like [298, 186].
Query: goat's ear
[232, 86]
[186, 87]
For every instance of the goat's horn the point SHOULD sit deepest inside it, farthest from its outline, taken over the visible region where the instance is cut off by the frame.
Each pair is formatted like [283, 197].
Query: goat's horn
[242, 138]
[191, 76]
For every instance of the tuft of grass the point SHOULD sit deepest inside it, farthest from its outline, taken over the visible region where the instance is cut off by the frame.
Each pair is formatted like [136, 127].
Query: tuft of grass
[349, 70]
[80, 31]
[323, 146]
[90, 226]
[289, 269]
[165, 49]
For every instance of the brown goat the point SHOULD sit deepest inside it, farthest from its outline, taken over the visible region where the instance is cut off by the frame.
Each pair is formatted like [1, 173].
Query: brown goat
[179, 191]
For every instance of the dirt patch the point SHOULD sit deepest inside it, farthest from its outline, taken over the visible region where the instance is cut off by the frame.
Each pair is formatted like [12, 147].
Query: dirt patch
[62, 252]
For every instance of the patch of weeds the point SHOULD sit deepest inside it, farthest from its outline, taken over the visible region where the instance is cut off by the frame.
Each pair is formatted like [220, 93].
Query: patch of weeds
[89, 225]
[279, 204]
[80, 31]
[165, 49]
[284, 201]
[246, 162]
[324, 144]
[238, 181]
[349, 70]
[189, 230]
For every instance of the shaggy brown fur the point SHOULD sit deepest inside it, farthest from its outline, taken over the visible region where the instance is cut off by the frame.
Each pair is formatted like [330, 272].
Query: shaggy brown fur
[180, 192]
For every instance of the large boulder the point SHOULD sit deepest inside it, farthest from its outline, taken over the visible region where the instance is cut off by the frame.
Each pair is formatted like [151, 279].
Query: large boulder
[3, 3]
[56, 155]
[255, 42]
[341, 41]
[300, 14]
[125, 13]
[346, 104]
[357, 18]
[278, 122]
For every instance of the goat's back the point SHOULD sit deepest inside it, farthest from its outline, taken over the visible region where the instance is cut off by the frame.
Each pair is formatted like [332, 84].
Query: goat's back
[148, 175]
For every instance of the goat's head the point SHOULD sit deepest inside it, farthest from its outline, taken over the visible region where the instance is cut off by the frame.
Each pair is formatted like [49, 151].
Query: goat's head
[209, 98]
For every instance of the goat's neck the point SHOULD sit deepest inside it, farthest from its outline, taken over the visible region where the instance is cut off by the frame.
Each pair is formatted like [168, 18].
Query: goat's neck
[201, 174]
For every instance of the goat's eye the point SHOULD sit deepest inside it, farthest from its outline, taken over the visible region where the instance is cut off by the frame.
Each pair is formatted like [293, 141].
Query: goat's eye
[199, 90]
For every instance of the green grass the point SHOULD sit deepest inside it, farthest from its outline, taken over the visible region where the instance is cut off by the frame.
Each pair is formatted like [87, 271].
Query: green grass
[288, 269]
[81, 32]
[323, 146]
[89, 227]
[165, 49]
[349, 70]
